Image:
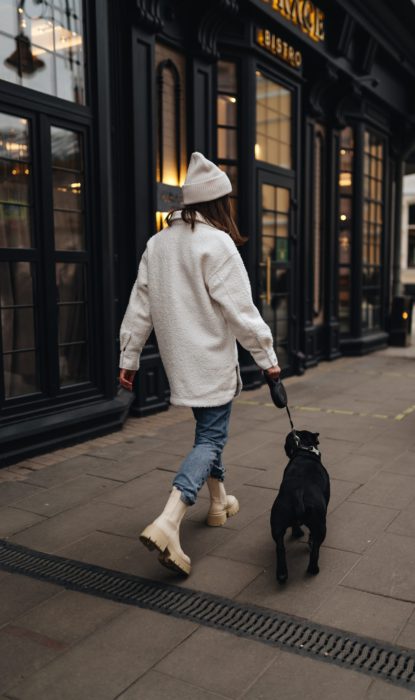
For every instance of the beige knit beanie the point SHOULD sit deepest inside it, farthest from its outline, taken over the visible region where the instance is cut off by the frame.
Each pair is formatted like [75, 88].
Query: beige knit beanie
[204, 181]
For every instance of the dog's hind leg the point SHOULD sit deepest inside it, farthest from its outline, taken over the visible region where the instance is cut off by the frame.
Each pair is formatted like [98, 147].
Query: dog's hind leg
[316, 539]
[282, 572]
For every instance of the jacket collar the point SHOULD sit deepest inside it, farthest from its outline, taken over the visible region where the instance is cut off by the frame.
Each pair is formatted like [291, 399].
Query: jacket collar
[177, 216]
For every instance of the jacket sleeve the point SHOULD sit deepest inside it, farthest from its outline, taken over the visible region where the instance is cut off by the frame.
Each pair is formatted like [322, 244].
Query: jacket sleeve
[137, 323]
[230, 287]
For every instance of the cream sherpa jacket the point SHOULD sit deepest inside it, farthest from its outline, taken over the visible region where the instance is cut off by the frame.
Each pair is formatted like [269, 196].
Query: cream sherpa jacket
[193, 289]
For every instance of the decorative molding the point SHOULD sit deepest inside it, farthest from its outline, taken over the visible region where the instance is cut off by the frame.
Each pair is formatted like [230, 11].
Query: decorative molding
[369, 55]
[320, 88]
[209, 22]
[345, 35]
[148, 14]
[350, 101]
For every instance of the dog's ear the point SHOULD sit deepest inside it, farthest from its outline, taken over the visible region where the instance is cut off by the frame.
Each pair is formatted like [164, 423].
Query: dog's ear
[316, 437]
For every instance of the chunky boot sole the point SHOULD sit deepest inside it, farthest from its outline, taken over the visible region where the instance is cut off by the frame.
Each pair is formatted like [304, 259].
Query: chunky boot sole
[174, 562]
[220, 518]
[153, 538]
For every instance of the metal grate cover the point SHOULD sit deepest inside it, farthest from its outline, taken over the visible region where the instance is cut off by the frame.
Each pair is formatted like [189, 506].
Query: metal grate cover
[384, 661]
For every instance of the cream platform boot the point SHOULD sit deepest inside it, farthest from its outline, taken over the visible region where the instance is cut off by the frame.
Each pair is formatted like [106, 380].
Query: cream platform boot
[163, 534]
[221, 505]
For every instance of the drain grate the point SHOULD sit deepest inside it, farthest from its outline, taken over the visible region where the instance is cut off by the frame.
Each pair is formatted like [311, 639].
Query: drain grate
[388, 663]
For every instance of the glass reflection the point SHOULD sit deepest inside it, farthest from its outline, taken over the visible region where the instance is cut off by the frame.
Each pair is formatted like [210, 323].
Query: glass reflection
[42, 46]
[18, 329]
[15, 181]
[72, 324]
[67, 162]
[273, 122]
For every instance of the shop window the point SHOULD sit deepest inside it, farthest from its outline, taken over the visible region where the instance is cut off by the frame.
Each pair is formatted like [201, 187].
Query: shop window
[227, 125]
[346, 164]
[171, 129]
[411, 235]
[273, 122]
[318, 223]
[42, 46]
[31, 320]
[372, 230]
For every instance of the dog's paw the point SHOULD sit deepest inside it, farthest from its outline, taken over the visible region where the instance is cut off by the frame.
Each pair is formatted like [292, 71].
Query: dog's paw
[313, 570]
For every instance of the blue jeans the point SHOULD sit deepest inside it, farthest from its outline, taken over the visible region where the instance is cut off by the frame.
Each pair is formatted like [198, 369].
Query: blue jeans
[205, 459]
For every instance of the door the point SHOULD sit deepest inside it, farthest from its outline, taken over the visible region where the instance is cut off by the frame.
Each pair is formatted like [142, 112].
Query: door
[275, 261]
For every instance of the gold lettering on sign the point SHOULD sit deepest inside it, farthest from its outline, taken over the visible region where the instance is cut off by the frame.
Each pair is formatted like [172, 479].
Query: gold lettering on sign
[275, 45]
[303, 13]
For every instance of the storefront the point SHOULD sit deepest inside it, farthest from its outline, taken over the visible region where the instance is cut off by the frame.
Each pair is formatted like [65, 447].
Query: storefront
[306, 105]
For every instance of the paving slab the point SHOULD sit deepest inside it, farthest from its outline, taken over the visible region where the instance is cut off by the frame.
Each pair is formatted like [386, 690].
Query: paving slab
[19, 593]
[387, 568]
[356, 468]
[390, 490]
[61, 530]
[217, 661]
[303, 594]
[339, 491]
[383, 691]
[23, 653]
[69, 616]
[12, 492]
[155, 485]
[252, 545]
[67, 495]
[101, 549]
[403, 464]
[364, 613]
[404, 523]
[13, 520]
[158, 686]
[221, 576]
[355, 526]
[127, 448]
[108, 661]
[291, 678]
[253, 500]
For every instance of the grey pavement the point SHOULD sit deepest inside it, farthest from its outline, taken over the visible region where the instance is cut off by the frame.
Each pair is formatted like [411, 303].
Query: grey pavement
[91, 501]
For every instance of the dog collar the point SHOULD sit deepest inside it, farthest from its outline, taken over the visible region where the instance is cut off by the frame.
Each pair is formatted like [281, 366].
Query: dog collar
[310, 448]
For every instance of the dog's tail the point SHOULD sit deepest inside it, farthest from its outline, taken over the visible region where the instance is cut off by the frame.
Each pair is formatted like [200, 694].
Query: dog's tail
[298, 503]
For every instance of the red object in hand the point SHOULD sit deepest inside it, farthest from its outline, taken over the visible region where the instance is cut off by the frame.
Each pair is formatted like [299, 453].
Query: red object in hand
[127, 378]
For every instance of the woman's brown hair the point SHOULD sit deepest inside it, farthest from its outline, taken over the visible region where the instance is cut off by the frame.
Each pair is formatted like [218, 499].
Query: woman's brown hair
[218, 213]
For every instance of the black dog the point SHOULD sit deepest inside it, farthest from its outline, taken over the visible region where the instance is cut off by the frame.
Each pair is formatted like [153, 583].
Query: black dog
[302, 499]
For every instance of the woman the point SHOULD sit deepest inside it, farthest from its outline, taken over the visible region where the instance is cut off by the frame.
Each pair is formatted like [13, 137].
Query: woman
[193, 289]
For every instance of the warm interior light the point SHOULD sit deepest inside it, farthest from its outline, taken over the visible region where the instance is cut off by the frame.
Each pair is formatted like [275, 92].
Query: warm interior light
[232, 99]
[343, 217]
[345, 179]
[64, 38]
[161, 219]
[405, 315]
[342, 151]
[344, 242]
[257, 150]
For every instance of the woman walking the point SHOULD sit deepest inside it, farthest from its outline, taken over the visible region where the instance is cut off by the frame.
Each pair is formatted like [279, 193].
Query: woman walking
[193, 289]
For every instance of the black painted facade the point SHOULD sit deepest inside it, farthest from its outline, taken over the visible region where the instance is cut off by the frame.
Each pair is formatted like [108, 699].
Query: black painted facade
[322, 216]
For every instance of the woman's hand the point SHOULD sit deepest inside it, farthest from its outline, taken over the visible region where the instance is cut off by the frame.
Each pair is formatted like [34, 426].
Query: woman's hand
[273, 372]
[127, 378]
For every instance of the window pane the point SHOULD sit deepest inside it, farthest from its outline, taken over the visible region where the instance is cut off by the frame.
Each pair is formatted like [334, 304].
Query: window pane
[411, 214]
[14, 226]
[69, 230]
[344, 299]
[227, 147]
[73, 363]
[66, 149]
[67, 191]
[227, 110]
[227, 77]
[20, 374]
[18, 328]
[44, 49]
[16, 283]
[71, 323]
[273, 122]
[70, 281]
